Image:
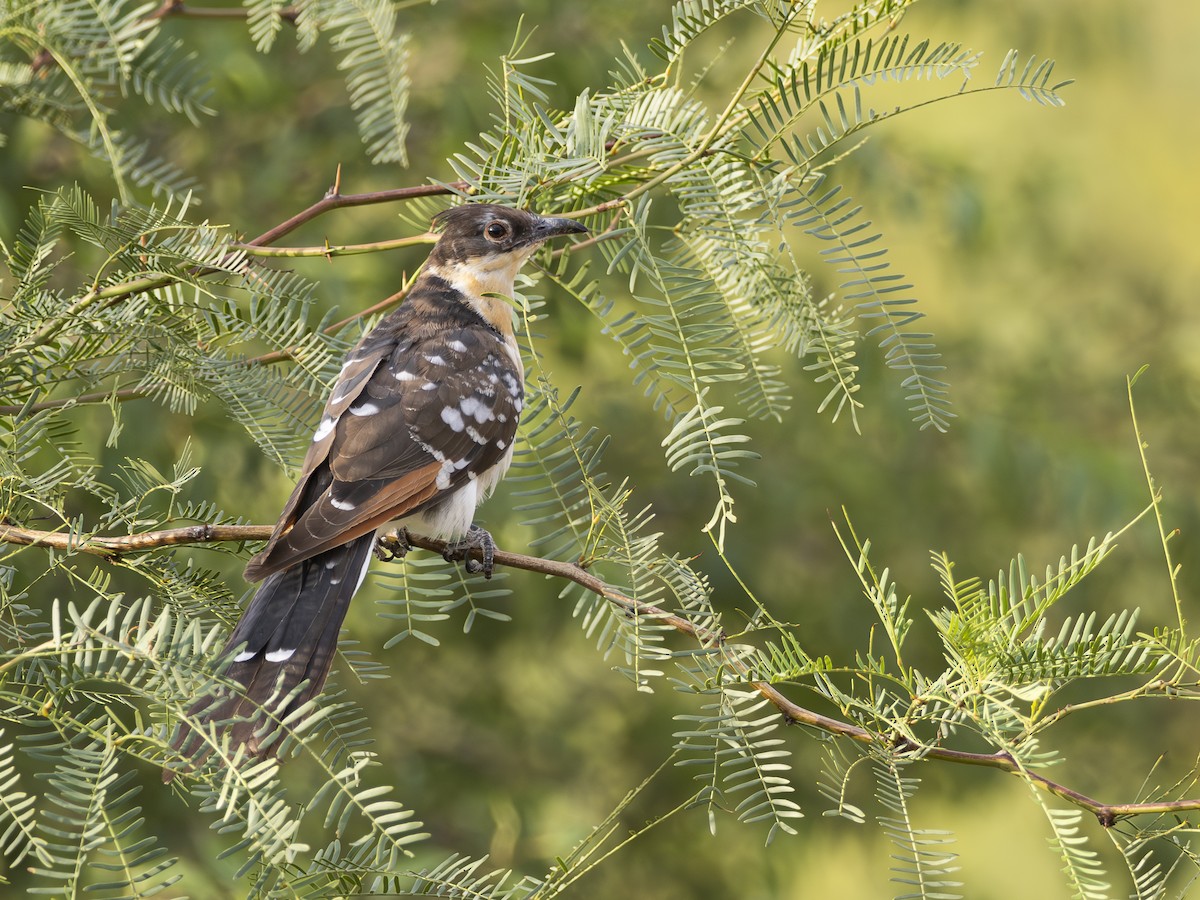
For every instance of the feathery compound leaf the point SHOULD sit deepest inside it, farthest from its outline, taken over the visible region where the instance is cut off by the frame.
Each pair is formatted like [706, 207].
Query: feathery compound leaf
[1146, 872]
[96, 829]
[698, 443]
[73, 826]
[800, 84]
[93, 54]
[1002, 634]
[1081, 863]
[923, 864]
[265, 20]
[881, 295]
[782, 660]
[422, 585]
[104, 658]
[199, 343]
[754, 293]
[834, 783]
[622, 540]
[375, 60]
[1021, 597]
[460, 876]
[879, 589]
[19, 835]
[743, 764]
[1031, 79]
[682, 342]
[691, 18]
[560, 461]
[171, 76]
[591, 524]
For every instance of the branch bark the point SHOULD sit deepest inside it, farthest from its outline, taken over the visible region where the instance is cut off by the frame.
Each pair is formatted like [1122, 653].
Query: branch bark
[1106, 814]
[335, 199]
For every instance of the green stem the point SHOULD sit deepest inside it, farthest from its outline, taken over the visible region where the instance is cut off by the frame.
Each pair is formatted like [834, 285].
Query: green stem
[1156, 503]
[332, 250]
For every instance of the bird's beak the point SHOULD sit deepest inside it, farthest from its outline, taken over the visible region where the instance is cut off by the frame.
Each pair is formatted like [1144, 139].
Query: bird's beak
[547, 228]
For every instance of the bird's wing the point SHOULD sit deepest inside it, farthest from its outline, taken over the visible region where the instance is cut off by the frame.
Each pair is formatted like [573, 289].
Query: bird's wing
[415, 413]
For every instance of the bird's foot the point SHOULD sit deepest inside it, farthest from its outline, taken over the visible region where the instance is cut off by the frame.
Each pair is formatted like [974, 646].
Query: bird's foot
[393, 544]
[475, 539]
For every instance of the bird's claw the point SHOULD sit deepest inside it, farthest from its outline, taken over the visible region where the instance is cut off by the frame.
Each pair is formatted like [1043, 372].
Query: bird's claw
[392, 545]
[476, 538]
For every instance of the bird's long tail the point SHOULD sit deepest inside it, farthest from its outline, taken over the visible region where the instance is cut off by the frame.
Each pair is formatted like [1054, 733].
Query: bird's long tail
[280, 652]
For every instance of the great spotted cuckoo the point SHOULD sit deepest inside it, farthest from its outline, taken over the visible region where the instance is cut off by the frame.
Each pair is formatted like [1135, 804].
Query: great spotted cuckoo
[419, 428]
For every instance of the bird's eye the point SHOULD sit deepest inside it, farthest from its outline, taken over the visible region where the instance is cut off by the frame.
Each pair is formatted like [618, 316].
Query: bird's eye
[496, 231]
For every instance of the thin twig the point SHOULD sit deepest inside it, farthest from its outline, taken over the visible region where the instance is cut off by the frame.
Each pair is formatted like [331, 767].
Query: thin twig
[11, 409]
[1106, 813]
[334, 199]
[329, 251]
[118, 545]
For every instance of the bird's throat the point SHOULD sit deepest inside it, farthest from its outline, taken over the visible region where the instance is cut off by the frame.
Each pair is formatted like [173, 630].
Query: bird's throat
[486, 286]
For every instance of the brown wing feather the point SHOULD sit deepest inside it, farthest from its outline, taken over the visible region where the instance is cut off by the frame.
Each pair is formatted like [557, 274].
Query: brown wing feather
[322, 526]
[358, 369]
[412, 415]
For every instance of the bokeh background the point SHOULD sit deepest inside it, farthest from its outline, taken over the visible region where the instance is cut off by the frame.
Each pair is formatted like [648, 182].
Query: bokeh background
[1055, 253]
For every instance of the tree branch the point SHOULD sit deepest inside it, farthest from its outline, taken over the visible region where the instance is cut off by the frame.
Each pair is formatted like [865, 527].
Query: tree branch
[118, 545]
[114, 546]
[335, 199]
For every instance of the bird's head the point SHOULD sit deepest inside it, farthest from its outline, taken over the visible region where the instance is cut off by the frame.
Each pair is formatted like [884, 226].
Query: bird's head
[484, 237]
[481, 249]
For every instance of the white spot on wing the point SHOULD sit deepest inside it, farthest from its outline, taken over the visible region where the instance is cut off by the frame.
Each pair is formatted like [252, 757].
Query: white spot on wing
[364, 409]
[340, 504]
[244, 656]
[277, 656]
[434, 359]
[514, 386]
[475, 408]
[404, 375]
[457, 347]
[473, 434]
[430, 449]
[429, 386]
[443, 475]
[453, 418]
[323, 429]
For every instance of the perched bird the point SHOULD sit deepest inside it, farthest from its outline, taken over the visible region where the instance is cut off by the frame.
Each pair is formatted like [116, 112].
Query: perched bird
[419, 428]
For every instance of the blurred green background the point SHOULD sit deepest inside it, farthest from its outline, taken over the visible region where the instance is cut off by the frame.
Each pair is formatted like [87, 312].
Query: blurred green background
[1055, 253]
